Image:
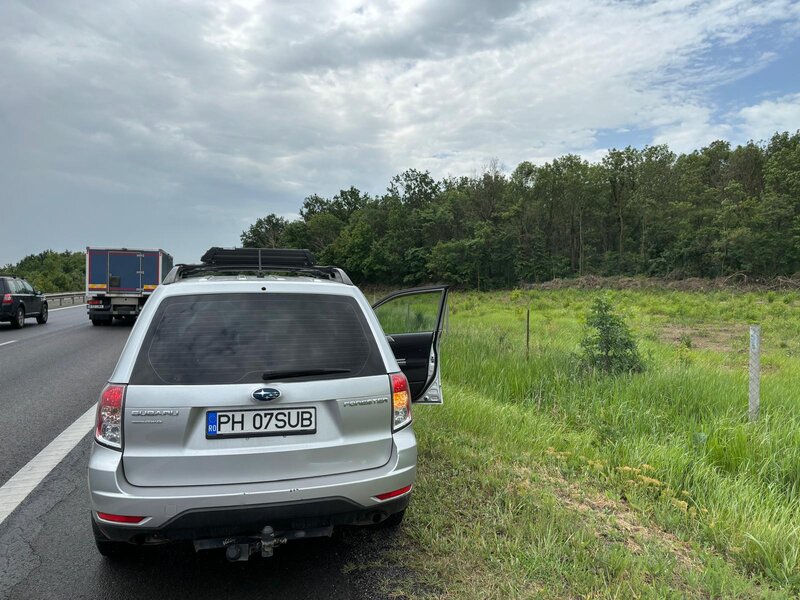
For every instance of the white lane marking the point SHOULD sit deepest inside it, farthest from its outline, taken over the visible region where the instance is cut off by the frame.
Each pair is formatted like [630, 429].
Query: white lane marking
[7, 343]
[67, 307]
[16, 489]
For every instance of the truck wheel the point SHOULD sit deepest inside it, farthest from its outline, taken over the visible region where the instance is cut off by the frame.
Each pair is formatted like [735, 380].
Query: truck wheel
[109, 548]
[18, 322]
[95, 322]
[41, 319]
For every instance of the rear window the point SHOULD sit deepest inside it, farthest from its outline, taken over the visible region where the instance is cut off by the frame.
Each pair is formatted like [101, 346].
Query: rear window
[208, 339]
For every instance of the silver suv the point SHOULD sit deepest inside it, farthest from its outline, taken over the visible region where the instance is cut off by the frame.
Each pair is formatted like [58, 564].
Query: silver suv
[259, 399]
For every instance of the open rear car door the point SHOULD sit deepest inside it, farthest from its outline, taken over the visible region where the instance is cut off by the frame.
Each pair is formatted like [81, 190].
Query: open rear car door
[412, 321]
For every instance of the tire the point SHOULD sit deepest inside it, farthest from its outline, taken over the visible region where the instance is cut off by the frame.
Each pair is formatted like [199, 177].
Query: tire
[394, 520]
[96, 322]
[109, 548]
[41, 318]
[18, 322]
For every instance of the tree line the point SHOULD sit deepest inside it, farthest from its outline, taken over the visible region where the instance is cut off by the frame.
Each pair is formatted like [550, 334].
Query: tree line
[51, 271]
[712, 212]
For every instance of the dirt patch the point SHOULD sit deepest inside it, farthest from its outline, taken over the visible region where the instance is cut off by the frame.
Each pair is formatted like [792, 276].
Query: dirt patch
[616, 518]
[720, 338]
[736, 282]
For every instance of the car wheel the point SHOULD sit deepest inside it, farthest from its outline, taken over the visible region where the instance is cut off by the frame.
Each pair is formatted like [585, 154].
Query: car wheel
[42, 318]
[19, 318]
[394, 520]
[109, 548]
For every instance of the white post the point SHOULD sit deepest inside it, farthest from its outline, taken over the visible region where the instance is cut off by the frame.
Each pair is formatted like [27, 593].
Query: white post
[755, 372]
[528, 333]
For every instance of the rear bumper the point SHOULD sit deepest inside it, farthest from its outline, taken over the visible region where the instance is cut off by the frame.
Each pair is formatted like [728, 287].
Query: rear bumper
[113, 306]
[114, 311]
[248, 521]
[197, 512]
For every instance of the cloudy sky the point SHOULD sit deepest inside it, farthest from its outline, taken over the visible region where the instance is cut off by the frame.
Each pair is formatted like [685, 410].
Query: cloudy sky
[175, 124]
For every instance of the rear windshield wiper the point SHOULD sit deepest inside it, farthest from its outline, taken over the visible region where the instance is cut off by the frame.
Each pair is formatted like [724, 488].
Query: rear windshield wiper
[300, 373]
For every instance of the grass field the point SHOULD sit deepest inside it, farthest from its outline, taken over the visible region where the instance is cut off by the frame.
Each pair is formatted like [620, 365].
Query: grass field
[537, 479]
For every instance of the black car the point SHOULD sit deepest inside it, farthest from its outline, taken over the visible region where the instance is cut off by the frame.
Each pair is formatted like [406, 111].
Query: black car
[20, 301]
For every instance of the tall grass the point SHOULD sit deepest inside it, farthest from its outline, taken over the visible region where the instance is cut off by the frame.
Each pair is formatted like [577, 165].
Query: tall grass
[716, 479]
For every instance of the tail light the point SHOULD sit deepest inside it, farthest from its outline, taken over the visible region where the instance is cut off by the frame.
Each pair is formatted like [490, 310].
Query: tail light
[401, 401]
[94, 301]
[394, 494]
[109, 416]
[7, 299]
[120, 518]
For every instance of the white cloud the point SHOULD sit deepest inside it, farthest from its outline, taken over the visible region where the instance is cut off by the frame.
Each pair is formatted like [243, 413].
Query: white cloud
[760, 121]
[247, 106]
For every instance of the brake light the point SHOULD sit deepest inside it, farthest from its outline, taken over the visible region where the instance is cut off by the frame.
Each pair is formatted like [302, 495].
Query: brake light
[7, 299]
[394, 494]
[401, 401]
[119, 518]
[108, 430]
[95, 301]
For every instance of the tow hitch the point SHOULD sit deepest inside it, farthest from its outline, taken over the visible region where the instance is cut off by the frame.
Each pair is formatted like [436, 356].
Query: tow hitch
[240, 548]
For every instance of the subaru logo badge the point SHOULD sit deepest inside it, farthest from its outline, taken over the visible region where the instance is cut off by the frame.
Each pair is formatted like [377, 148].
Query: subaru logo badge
[266, 394]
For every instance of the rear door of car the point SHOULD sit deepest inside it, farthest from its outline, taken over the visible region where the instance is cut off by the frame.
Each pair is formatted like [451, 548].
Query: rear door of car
[33, 302]
[19, 295]
[413, 321]
[218, 393]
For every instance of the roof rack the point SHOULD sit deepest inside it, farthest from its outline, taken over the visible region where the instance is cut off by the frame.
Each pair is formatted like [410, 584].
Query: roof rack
[218, 260]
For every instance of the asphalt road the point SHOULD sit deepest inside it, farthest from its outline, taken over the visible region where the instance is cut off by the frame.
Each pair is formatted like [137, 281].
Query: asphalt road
[49, 376]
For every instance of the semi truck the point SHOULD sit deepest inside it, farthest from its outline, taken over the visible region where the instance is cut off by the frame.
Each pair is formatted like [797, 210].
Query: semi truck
[119, 281]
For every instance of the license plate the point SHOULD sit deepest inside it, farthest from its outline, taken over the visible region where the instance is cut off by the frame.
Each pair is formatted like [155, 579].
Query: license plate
[260, 422]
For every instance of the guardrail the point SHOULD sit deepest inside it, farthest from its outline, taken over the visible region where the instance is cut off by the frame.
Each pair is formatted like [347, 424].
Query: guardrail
[66, 298]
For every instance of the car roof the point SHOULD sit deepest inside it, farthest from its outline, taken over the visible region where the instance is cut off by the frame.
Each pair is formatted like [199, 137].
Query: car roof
[220, 284]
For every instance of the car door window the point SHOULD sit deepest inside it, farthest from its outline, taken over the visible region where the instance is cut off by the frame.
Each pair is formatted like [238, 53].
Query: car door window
[412, 321]
[415, 313]
[26, 287]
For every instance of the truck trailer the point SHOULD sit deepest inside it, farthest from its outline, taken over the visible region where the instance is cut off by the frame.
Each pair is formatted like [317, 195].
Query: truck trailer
[119, 281]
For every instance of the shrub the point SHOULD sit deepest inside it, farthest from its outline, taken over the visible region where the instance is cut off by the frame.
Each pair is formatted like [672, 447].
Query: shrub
[608, 344]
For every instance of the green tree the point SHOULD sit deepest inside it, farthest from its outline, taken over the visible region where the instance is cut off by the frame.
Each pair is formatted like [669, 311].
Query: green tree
[266, 232]
[50, 271]
[714, 211]
[608, 344]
